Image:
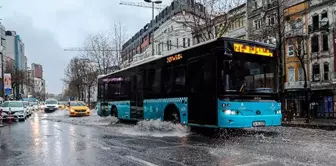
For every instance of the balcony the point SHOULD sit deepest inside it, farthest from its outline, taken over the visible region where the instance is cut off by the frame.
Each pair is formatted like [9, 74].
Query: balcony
[296, 85]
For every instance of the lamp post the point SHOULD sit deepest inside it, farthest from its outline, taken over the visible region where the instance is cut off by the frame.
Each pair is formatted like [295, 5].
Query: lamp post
[153, 2]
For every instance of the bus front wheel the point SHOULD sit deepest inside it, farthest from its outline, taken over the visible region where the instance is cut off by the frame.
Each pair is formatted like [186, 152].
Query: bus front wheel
[172, 115]
[114, 112]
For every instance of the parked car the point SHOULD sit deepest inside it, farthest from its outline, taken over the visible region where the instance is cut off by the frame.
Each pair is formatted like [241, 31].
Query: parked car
[28, 108]
[51, 105]
[34, 105]
[14, 108]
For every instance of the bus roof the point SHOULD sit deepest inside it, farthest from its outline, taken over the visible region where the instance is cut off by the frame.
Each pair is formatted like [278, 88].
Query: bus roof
[156, 57]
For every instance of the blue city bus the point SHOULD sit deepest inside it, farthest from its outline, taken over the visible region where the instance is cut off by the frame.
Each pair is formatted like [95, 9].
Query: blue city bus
[222, 83]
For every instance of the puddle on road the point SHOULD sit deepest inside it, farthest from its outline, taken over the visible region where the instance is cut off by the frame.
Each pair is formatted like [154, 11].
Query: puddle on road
[155, 128]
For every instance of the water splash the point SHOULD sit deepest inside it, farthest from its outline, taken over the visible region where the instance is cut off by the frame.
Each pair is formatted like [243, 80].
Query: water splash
[156, 128]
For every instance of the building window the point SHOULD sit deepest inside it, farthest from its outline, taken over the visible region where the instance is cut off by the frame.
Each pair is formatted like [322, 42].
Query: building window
[290, 48]
[184, 43]
[325, 42]
[291, 74]
[301, 74]
[257, 24]
[177, 44]
[315, 43]
[326, 71]
[270, 20]
[316, 72]
[172, 29]
[188, 42]
[316, 21]
[324, 15]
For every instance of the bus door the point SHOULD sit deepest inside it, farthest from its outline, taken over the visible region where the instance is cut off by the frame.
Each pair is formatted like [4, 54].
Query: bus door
[201, 97]
[138, 112]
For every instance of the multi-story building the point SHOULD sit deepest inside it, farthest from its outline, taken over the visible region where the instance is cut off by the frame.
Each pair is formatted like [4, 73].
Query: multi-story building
[29, 90]
[37, 70]
[321, 37]
[261, 19]
[39, 87]
[2, 57]
[230, 24]
[15, 49]
[169, 33]
[296, 54]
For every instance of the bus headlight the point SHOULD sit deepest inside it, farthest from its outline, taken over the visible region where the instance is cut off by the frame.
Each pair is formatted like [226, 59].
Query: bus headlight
[278, 112]
[231, 112]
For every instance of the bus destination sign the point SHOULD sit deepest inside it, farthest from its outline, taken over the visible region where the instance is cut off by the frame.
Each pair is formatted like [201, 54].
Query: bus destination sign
[174, 58]
[242, 48]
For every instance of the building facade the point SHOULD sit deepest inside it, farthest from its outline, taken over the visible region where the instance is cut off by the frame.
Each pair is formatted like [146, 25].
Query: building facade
[37, 70]
[296, 52]
[262, 20]
[169, 33]
[2, 57]
[322, 20]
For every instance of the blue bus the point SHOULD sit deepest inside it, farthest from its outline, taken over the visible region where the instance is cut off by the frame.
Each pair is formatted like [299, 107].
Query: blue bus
[222, 83]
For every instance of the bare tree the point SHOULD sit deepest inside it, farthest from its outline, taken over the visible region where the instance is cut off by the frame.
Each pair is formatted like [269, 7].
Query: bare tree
[119, 37]
[301, 53]
[101, 52]
[74, 76]
[208, 18]
[18, 76]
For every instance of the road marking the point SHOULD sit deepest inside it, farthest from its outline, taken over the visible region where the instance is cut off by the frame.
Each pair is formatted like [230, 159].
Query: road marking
[255, 163]
[141, 161]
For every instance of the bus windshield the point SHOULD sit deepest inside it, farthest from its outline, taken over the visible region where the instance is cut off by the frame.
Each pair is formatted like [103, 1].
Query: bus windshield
[245, 75]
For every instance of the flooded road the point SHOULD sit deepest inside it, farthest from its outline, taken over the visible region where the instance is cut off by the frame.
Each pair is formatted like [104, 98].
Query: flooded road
[55, 139]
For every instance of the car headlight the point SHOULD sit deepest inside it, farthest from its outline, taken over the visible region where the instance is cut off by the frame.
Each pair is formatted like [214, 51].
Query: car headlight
[230, 112]
[71, 110]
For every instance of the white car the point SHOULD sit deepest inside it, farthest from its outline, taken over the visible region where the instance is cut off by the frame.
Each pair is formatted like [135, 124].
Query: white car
[34, 106]
[14, 108]
[28, 108]
[50, 105]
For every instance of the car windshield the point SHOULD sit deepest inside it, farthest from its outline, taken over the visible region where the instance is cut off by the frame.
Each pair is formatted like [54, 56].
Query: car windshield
[13, 104]
[77, 104]
[247, 75]
[33, 103]
[51, 102]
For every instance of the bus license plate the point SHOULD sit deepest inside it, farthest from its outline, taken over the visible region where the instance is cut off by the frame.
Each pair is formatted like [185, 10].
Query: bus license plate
[258, 124]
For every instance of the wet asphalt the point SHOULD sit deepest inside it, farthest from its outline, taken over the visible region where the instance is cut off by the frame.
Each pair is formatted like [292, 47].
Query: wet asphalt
[60, 140]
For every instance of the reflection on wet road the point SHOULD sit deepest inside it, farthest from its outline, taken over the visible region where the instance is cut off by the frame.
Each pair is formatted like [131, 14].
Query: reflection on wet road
[55, 142]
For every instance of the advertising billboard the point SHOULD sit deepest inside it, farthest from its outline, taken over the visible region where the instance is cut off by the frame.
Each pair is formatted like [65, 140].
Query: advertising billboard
[7, 83]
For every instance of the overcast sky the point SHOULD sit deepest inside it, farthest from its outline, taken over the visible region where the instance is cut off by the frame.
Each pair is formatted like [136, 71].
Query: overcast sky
[48, 26]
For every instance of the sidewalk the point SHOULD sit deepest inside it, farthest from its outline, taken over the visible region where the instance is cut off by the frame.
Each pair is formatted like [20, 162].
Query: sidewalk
[325, 124]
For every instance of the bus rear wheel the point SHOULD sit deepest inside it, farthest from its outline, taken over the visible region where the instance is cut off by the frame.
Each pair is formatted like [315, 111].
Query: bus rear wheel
[172, 115]
[114, 112]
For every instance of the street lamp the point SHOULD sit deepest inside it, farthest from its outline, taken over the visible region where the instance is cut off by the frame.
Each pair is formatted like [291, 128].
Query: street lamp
[153, 2]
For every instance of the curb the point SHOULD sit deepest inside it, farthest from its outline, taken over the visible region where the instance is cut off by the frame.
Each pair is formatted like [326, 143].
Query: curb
[311, 126]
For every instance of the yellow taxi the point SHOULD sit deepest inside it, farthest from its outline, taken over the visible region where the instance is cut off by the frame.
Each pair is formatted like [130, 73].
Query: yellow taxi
[78, 108]
[62, 105]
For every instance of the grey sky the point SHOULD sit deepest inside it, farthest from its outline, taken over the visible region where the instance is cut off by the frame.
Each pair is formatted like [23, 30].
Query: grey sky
[48, 26]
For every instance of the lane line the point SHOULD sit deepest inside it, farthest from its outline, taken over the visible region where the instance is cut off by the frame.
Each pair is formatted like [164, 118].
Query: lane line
[141, 161]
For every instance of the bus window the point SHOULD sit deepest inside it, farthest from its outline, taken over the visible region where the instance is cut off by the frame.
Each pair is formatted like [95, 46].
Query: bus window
[179, 79]
[167, 80]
